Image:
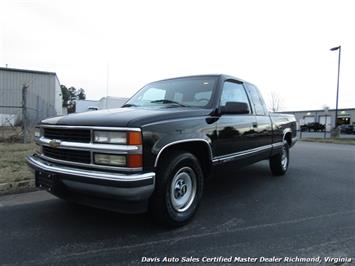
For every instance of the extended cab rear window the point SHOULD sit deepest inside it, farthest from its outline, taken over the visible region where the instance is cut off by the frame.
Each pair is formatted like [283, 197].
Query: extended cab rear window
[257, 101]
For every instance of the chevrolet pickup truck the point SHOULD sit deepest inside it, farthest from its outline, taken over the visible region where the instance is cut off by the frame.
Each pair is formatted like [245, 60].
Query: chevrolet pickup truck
[156, 151]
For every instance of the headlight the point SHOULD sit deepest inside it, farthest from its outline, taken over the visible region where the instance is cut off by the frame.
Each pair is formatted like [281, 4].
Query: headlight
[37, 132]
[116, 137]
[110, 137]
[110, 159]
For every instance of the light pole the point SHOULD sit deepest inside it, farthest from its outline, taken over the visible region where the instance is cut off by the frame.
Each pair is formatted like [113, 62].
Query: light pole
[336, 106]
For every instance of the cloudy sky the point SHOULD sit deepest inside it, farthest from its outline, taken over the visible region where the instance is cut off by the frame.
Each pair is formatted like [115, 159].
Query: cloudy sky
[281, 46]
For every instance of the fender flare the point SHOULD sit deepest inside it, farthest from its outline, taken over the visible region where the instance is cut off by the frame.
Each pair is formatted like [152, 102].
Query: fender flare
[183, 141]
[285, 131]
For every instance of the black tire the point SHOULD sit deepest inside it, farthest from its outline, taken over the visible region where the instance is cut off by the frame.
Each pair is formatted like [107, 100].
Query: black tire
[172, 189]
[279, 162]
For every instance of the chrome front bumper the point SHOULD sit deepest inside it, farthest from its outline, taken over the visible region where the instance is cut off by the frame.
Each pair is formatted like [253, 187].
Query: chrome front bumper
[131, 187]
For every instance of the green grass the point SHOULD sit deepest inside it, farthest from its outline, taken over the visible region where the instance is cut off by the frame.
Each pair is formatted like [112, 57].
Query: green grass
[12, 162]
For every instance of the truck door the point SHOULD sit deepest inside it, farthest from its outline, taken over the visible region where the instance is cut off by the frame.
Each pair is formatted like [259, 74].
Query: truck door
[234, 131]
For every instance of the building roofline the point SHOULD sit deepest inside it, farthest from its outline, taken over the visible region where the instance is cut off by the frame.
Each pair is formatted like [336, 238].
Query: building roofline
[319, 110]
[26, 70]
[30, 71]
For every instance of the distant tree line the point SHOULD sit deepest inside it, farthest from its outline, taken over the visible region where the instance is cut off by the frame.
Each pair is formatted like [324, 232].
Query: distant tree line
[275, 103]
[70, 95]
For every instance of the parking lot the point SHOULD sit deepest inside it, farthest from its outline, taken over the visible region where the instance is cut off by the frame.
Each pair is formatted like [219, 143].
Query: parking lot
[246, 213]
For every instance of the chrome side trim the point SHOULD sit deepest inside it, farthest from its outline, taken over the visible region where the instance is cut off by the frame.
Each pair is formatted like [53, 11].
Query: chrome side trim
[35, 162]
[91, 165]
[183, 141]
[122, 149]
[232, 156]
[91, 127]
[277, 145]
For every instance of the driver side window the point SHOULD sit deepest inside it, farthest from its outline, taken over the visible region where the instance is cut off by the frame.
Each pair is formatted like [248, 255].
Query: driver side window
[233, 92]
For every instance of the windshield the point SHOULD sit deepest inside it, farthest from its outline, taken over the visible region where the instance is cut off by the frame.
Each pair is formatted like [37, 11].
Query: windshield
[183, 92]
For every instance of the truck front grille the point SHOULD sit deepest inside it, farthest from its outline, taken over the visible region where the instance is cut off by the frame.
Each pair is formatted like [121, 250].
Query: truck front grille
[68, 134]
[67, 155]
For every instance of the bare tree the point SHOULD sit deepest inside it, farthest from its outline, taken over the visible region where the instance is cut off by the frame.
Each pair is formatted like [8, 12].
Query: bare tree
[275, 102]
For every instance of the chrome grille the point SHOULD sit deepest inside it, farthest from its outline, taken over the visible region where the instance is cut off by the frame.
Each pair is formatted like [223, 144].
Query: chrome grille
[68, 134]
[67, 154]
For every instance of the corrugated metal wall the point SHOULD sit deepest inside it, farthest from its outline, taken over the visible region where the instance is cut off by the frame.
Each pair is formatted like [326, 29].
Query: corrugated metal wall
[43, 97]
[58, 99]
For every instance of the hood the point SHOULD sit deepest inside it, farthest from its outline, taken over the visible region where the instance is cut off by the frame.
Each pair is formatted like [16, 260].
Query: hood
[126, 117]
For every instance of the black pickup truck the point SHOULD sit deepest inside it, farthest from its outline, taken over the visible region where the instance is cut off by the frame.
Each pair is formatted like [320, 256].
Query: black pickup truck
[155, 152]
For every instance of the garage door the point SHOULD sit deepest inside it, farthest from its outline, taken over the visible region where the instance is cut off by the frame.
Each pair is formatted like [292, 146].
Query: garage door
[329, 121]
[322, 120]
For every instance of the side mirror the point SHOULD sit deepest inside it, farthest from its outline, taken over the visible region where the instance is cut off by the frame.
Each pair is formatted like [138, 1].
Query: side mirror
[235, 108]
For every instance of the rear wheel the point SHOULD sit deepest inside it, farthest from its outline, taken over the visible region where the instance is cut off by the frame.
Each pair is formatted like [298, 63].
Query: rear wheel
[178, 189]
[279, 162]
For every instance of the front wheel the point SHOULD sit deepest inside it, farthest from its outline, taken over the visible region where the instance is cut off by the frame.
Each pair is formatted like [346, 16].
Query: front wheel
[179, 185]
[279, 162]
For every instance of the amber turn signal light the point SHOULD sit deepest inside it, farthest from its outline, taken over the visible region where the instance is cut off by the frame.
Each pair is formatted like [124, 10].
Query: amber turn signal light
[134, 160]
[134, 138]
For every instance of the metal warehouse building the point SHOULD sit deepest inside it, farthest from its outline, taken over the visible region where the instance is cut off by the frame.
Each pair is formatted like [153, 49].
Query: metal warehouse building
[345, 116]
[38, 91]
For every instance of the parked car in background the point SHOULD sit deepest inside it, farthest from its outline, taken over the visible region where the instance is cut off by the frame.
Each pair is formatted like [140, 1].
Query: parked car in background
[304, 128]
[315, 126]
[347, 129]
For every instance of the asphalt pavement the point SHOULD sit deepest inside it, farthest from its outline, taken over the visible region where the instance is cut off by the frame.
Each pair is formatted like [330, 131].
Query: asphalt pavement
[245, 214]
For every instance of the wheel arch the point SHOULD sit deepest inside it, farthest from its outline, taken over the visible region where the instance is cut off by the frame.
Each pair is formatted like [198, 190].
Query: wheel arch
[199, 147]
[287, 135]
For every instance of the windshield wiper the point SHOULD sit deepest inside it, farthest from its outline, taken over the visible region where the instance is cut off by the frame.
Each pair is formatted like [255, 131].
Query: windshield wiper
[164, 101]
[129, 105]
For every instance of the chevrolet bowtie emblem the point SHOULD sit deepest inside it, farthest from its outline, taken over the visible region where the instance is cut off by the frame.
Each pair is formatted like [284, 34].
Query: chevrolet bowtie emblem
[54, 143]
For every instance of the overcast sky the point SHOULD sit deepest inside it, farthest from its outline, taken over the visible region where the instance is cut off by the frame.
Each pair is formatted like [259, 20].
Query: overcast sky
[281, 46]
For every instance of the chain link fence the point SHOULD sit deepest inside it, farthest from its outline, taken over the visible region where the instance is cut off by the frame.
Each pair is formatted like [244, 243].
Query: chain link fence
[20, 111]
